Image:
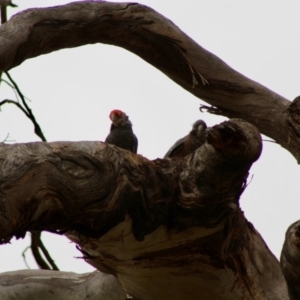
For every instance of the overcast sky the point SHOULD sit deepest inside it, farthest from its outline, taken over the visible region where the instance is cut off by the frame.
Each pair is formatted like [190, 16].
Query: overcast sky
[72, 92]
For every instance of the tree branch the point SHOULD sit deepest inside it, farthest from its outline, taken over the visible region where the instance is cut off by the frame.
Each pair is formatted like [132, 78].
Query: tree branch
[37, 246]
[36, 242]
[14, 103]
[27, 110]
[157, 40]
[147, 222]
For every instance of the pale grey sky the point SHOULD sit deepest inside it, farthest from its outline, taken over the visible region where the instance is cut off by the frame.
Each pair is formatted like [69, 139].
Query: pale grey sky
[73, 91]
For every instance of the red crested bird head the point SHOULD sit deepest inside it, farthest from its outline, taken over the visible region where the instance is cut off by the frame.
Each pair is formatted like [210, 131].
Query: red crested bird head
[118, 117]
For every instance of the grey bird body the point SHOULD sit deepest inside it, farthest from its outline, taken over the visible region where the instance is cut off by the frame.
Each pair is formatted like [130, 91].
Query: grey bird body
[121, 133]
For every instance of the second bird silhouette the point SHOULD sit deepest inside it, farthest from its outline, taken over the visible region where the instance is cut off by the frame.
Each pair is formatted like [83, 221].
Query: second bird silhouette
[189, 143]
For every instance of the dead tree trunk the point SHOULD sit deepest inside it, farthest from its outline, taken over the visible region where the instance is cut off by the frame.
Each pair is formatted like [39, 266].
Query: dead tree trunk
[167, 229]
[174, 223]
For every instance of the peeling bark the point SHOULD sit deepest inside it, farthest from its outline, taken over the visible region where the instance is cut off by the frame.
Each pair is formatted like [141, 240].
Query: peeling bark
[172, 223]
[158, 41]
[53, 285]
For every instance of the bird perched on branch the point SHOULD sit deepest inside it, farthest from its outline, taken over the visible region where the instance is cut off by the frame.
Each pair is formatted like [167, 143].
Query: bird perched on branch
[121, 134]
[190, 142]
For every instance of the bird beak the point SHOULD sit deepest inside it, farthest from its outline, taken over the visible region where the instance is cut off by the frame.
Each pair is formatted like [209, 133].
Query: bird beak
[113, 118]
[200, 128]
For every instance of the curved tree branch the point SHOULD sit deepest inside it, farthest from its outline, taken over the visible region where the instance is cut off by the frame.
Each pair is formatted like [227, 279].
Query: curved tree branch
[157, 40]
[150, 223]
[163, 214]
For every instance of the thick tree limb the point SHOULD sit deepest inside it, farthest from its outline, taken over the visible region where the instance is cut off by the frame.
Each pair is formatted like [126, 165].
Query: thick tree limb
[157, 40]
[290, 260]
[165, 223]
[51, 285]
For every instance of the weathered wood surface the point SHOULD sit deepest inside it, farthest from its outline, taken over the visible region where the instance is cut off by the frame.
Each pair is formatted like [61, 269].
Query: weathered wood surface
[53, 285]
[158, 41]
[153, 224]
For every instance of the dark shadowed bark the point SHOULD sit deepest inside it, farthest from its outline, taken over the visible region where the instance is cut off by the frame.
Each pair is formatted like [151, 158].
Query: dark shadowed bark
[174, 223]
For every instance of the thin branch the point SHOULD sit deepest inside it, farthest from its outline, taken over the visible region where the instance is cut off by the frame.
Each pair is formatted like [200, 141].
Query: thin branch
[36, 242]
[42, 247]
[42, 264]
[5, 139]
[24, 257]
[15, 103]
[12, 87]
[37, 128]
[35, 247]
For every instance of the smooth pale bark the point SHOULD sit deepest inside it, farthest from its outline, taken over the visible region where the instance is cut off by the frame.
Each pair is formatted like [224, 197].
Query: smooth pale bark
[167, 229]
[157, 40]
[53, 285]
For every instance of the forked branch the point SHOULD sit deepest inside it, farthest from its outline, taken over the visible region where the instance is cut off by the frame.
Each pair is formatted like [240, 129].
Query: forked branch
[158, 41]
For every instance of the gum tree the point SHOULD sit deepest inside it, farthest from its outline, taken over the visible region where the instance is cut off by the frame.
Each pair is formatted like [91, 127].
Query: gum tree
[165, 229]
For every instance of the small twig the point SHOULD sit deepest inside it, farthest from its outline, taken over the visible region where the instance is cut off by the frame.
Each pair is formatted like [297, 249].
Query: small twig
[37, 128]
[24, 257]
[46, 254]
[5, 139]
[36, 242]
[270, 141]
[12, 87]
[36, 245]
[210, 109]
[15, 103]
[35, 236]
